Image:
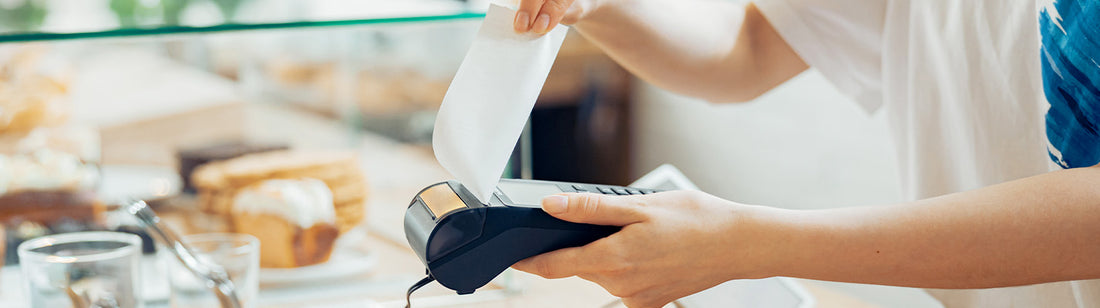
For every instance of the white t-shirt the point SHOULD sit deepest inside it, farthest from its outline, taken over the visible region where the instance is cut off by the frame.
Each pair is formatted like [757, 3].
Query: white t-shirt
[961, 84]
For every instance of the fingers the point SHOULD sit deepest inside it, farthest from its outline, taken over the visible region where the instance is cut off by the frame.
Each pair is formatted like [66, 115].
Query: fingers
[595, 209]
[528, 10]
[540, 16]
[556, 264]
[550, 15]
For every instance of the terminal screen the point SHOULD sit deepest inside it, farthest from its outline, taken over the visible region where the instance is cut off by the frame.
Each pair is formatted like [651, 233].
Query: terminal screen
[528, 193]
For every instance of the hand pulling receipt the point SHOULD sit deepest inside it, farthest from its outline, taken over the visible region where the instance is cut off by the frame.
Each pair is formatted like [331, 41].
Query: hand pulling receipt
[489, 100]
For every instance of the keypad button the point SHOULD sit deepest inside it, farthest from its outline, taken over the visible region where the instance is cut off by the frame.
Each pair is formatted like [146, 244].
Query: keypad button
[633, 191]
[579, 188]
[606, 190]
[620, 191]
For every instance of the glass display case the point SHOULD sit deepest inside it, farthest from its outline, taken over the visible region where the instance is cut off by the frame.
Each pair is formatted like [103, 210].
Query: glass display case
[51, 20]
[192, 104]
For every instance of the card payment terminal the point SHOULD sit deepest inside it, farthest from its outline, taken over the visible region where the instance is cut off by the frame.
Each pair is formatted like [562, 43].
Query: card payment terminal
[465, 243]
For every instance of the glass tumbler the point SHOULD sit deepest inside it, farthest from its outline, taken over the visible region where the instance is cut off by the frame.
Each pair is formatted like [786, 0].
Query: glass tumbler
[238, 254]
[82, 269]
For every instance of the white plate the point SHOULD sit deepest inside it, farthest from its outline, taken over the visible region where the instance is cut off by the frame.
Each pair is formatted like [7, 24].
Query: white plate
[348, 259]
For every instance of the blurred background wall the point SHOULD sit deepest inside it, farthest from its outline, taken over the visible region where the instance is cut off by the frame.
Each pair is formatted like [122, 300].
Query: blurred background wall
[803, 145]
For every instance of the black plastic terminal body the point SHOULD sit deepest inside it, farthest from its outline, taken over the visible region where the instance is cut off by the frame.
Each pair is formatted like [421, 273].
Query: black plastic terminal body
[466, 247]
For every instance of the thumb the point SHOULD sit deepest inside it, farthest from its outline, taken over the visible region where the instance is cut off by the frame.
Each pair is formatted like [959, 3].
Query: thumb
[594, 209]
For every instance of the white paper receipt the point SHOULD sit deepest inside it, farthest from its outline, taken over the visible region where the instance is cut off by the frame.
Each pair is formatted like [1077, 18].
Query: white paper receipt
[491, 98]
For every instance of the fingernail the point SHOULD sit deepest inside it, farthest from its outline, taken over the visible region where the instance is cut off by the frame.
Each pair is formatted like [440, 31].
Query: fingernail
[542, 24]
[555, 204]
[522, 22]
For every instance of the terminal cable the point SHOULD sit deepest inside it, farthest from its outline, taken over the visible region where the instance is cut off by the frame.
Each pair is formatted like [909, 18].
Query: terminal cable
[416, 286]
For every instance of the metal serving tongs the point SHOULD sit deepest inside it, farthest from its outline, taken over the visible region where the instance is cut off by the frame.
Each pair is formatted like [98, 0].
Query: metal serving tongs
[213, 275]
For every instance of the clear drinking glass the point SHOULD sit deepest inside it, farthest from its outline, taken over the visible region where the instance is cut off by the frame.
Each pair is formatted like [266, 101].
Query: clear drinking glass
[238, 254]
[82, 269]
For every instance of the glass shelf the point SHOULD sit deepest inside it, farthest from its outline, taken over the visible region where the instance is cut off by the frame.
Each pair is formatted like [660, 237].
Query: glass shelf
[49, 20]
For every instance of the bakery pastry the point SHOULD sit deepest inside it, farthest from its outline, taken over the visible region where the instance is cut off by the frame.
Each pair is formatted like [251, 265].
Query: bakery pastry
[31, 100]
[294, 219]
[50, 190]
[218, 183]
[81, 141]
[296, 202]
[48, 166]
[46, 170]
[50, 207]
[191, 158]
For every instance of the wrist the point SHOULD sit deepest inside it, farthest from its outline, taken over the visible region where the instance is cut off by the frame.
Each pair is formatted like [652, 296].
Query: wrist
[764, 242]
[582, 11]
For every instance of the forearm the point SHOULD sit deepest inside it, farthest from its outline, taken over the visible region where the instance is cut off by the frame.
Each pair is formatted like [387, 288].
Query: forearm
[716, 50]
[1039, 229]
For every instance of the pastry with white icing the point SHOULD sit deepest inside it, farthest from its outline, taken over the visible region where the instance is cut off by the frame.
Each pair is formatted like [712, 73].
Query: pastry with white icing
[294, 219]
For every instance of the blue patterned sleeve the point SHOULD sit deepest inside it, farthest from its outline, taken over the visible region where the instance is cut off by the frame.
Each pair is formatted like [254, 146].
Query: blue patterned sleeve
[1071, 80]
